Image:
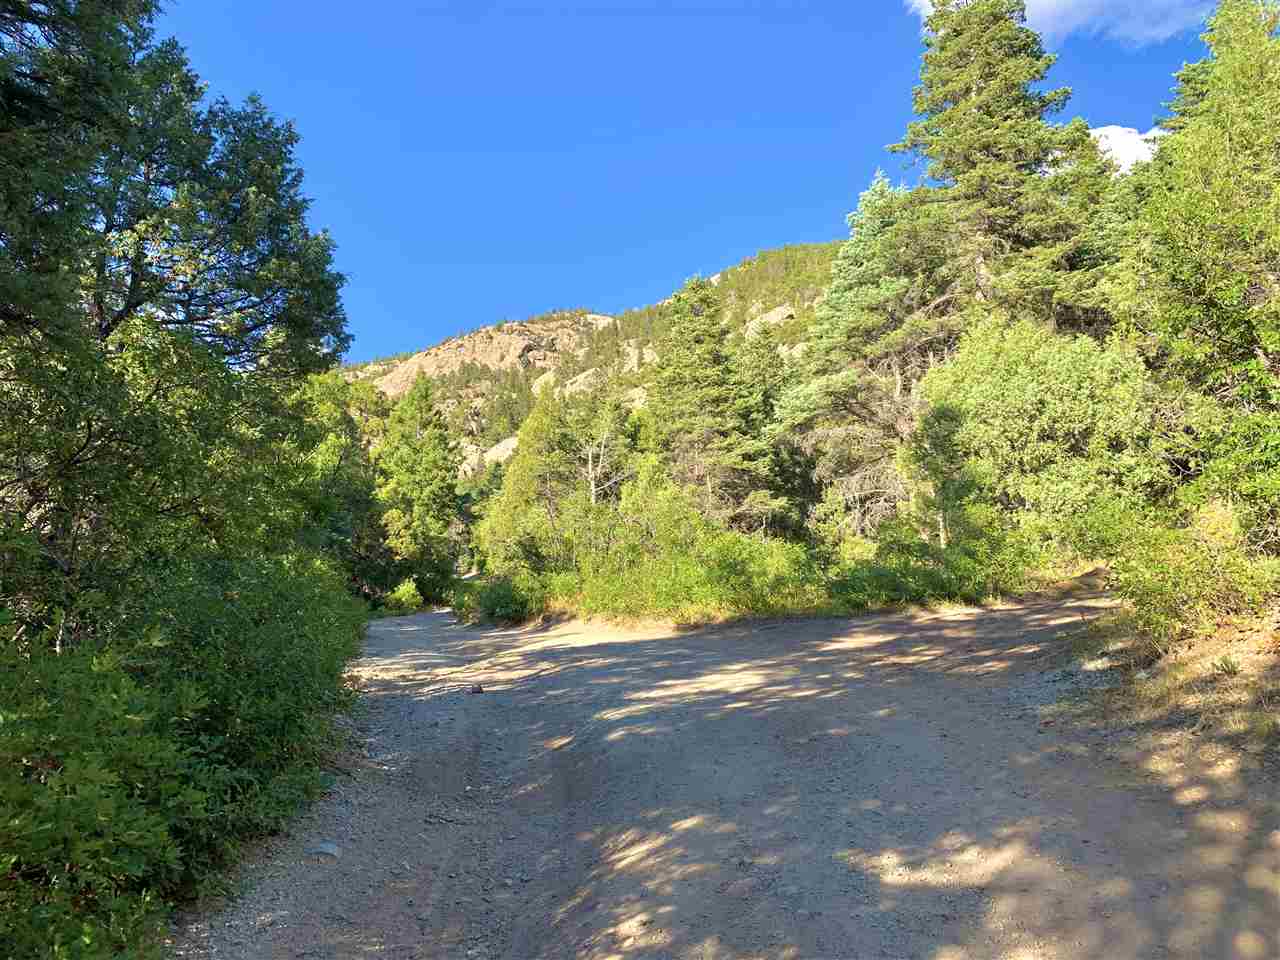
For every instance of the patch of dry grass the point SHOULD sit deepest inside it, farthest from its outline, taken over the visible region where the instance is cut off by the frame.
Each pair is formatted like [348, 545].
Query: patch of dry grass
[1225, 685]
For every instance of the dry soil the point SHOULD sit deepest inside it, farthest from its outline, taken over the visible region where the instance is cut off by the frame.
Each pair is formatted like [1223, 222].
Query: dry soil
[895, 786]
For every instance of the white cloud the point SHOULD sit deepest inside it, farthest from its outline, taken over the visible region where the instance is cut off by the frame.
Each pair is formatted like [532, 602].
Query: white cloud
[1125, 145]
[1137, 21]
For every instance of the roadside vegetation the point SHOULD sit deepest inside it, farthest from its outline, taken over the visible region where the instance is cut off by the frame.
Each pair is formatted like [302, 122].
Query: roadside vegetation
[1026, 363]
[996, 386]
[191, 522]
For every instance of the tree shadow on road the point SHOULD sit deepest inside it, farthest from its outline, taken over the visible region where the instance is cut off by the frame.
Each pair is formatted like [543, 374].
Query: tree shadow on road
[898, 785]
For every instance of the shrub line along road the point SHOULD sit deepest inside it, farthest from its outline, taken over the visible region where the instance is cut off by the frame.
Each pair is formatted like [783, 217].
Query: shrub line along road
[893, 786]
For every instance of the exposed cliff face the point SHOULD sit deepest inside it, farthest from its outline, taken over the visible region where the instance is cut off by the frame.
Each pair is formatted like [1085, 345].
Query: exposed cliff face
[487, 380]
[540, 344]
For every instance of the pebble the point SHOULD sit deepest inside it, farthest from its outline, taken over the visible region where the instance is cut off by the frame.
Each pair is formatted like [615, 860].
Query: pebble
[325, 848]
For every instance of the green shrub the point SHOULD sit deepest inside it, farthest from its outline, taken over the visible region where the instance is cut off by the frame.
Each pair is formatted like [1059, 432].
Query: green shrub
[93, 796]
[433, 577]
[985, 557]
[1180, 577]
[1039, 422]
[512, 599]
[405, 598]
[129, 774]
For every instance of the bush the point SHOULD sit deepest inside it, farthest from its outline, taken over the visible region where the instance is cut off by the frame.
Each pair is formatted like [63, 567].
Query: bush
[1180, 578]
[128, 775]
[512, 599]
[406, 598]
[433, 577]
[93, 797]
[1041, 422]
[985, 557]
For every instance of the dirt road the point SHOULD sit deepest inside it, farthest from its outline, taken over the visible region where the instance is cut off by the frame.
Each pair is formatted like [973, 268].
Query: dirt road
[894, 786]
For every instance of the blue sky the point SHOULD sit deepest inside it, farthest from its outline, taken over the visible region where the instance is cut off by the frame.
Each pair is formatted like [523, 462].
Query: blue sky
[481, 160]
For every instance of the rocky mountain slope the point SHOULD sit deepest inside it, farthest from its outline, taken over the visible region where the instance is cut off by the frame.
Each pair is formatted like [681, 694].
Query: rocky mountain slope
[540, 343]
[488, 379]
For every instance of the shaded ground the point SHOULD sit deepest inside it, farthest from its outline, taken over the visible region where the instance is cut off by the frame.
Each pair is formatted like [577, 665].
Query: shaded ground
[895, 786]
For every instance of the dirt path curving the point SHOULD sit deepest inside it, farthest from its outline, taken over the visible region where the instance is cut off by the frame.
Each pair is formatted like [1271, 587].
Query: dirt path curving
[893, 786]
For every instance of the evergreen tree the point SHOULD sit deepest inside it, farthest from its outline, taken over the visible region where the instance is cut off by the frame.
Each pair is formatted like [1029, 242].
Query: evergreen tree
[418, 470]
[523, 526]
[1207, 256]
[343, 513]
[602, 438]
[1015, 190]
[704, 414]
[886, 318]
[64, 83]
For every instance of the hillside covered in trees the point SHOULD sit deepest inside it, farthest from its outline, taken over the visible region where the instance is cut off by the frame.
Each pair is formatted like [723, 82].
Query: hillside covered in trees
[486, 381]
[1031, 360]
[1026, 362]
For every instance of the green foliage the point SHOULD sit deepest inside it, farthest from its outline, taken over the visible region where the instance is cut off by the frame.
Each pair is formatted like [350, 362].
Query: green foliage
[795, 274]
[182, 514]
[1059, 441]
[665, 558]
[1205, 271]
[521, 527]
[1212, 228]
[1226, 666]
[344, 518]
[984, 557]
[512, 599]
[90, 795]
[129, 771]
[64, 80]
[196, 218]
[405, 598]
[189, 502]
[1180, 577]
[649, 552]
[1016, 190]
[417, 469]
[965, 417]
[709, 411]
[885, 318]
[1039, 422]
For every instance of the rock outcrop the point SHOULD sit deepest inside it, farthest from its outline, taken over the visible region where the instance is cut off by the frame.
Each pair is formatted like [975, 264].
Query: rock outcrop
[587, 380]
[531, 345]
[501, 452]
[773, 318]
[635, 398]
[474, 459]
[634, 356]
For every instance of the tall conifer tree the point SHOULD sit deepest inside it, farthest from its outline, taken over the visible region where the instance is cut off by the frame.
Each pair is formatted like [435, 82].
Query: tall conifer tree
[1207, 270]
[418, 469]
[1016, 190]
[704, 413]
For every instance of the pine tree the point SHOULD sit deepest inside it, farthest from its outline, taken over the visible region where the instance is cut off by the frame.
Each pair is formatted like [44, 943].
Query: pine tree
[418, 468]
[887, 316]
[1213, 224]
[704, 412]
[523, 528]
[1016, 190]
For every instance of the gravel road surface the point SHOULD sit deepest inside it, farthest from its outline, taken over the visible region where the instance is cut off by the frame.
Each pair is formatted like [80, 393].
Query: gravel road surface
[895, 786]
